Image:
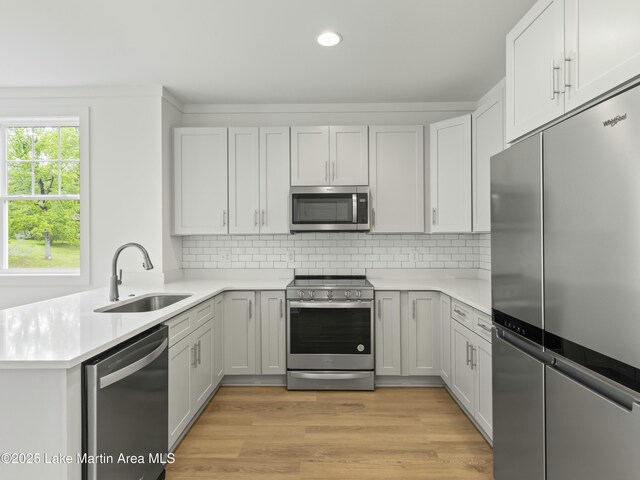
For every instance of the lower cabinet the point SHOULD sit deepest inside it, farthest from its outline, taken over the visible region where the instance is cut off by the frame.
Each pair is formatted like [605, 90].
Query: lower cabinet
[240, 333]
[407, 333]
[445, 339]
[218, 339]
[273, 326]
[471, 381]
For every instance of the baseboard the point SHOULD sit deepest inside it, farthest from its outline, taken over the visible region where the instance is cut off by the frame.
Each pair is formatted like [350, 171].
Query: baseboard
[412, 381]
[255, 380]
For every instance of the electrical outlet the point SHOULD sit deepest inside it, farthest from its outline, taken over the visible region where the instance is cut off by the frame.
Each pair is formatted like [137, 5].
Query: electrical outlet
[291, 255]
[414, 255]
[225, 254]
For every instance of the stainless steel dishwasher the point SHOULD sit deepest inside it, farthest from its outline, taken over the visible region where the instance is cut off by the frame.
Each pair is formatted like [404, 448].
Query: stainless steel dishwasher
[125, 420]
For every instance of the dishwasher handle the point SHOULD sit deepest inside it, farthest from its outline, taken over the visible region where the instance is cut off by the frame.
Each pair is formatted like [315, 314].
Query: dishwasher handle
[132, 368]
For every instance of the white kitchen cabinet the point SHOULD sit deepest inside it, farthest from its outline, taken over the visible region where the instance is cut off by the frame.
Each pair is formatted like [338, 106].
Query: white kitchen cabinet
[218, 340]
[450, 162]
[273, 329]
[274, 180]
[445, 339]
[534, 61]
[396, 178]
[349, 155]
[258, 180]
[191, 365]
[422, 343]
[487, 139]
[602, 45]
[336, 155]
[244, 181]
[200, 181]
[240, 333]
[387, 333]
[309, 156]
[564, 53]
[471, 381]
[463, 382]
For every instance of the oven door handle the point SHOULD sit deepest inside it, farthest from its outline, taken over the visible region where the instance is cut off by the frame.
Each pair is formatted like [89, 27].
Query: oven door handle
[323, 304]
[330, 376]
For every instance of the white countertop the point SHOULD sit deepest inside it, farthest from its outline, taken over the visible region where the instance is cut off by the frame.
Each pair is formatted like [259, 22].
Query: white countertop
[63, 332]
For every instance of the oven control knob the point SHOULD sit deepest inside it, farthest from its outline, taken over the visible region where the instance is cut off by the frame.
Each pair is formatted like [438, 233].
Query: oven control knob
[358, 293]
[329, 294]
[312, 293]
[360, 348]
[300, 293]
[347, 293]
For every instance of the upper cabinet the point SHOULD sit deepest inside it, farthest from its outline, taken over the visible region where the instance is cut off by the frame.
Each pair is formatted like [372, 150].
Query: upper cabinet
[487, 139]
[450, 161]
[258, 180]
[329, 156]
[396, 183]
[564, 53]
[200, 181]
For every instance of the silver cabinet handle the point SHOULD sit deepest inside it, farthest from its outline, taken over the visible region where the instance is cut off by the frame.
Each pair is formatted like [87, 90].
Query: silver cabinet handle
[414, 310]
[326, 171]
[333, 171]
[379, 308]
[264, 217]
[199, 345]
[460, 312]
[473, 364]
[373, 217]
[567, 73]
[255, 218]
[433, 216]
[132, 368]
[554, 75]
[484, 327]
[250, 315]
[281, 309]
[224, 218]
[468, 359]
[194, 362]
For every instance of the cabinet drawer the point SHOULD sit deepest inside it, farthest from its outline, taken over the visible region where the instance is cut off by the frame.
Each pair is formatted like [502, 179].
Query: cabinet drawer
[202, 313]
[482, 325]
[462, 313]
[179, 327]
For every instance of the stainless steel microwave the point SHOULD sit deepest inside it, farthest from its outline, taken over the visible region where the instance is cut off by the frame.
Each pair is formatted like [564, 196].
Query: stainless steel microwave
[316, 209]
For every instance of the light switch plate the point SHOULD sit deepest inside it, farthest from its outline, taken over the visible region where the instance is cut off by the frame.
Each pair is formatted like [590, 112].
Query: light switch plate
[224, 254]
[414, 256]
[291, 255]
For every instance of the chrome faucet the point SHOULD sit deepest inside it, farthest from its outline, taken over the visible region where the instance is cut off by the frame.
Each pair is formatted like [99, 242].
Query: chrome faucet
[115, 281]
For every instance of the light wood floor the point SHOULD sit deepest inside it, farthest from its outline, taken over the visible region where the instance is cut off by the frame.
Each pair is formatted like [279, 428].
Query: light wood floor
[391, 433]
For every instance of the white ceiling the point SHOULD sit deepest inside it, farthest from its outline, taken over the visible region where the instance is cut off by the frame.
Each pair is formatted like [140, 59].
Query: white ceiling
[262, 51]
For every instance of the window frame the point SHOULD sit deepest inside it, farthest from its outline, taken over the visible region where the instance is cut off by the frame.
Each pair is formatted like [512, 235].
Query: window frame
[46, 117]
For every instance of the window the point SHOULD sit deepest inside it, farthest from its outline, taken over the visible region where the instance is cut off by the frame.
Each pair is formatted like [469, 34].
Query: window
[41, 192]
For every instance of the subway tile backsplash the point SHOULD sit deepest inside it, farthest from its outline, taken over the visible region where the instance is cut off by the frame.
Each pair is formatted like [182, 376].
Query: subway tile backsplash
[337, 253]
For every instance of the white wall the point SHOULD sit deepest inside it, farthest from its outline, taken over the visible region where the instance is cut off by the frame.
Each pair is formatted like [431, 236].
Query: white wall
[126, 186]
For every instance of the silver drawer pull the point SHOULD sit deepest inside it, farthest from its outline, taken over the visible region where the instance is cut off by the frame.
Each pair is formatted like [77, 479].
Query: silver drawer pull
[459, 312]
[484, 327]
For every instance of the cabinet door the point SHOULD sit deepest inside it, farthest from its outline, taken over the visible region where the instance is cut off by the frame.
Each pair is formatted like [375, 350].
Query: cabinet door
[487, 140]
[240, 333]
[396, 178]
[387, 332]
[244, 181]
[423, 339]
[450, 162]
[349, 155]
[445, 339]
[462, 377]
[202, 385]
[200, 181]
[273, 326]
[602, 43]
[181, 360]
[534, 64]
[218, 340]
[274, 180]
[309, 156]
[483, 411]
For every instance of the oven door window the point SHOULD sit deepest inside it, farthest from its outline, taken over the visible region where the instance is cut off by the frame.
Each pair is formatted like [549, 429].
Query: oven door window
[330, 331]
[310, 208]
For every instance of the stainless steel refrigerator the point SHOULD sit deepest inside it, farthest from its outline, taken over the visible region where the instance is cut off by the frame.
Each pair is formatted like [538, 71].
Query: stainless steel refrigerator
[566, 298]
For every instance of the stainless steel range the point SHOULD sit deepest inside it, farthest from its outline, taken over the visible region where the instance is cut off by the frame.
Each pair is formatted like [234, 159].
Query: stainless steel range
[330, 333]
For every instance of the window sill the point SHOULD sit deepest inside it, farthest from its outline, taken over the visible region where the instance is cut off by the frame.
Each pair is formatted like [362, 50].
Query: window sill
[32, 279]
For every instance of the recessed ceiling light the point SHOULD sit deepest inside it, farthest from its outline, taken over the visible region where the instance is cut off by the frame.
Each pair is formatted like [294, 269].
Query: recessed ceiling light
[329, 39]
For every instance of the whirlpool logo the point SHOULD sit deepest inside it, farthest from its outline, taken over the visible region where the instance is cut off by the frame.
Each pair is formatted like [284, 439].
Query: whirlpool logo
[612, 122]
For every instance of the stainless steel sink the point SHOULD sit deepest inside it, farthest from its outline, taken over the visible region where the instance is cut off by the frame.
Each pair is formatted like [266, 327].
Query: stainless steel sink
[144, 303]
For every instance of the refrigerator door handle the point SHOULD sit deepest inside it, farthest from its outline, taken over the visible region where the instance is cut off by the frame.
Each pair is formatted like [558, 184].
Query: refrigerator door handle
[604, 388]
[525, 347]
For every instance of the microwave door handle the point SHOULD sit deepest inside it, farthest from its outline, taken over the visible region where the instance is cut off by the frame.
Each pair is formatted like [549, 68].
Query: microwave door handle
[355, 208]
